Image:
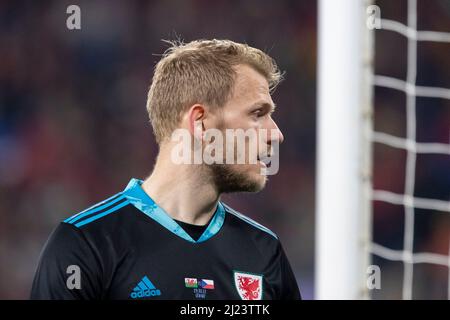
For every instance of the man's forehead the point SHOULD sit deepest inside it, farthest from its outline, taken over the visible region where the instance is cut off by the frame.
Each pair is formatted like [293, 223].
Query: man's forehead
[250, 81]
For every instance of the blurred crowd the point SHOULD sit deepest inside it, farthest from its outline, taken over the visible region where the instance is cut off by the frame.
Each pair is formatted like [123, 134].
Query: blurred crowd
[74, 129]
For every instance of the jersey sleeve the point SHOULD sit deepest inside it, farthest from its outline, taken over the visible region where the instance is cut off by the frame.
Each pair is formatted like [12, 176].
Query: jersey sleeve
[289, 287]
[280, 277]
[68, 268]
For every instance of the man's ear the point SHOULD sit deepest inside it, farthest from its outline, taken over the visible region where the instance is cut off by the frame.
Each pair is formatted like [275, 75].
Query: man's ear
[196, 115]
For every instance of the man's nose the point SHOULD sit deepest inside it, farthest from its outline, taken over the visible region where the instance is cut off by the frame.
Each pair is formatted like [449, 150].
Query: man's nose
[274, 133]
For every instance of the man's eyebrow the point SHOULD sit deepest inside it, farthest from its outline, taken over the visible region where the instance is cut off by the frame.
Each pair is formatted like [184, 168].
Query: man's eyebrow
[270, 105]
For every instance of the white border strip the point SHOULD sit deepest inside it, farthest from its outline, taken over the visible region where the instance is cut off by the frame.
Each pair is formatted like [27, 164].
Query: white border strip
[410, 145]
[397, 255]
[419, 91]
[410, 33]
[413, 202]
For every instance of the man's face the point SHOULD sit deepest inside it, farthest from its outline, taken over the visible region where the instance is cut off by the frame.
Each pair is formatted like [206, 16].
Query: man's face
[250, 107]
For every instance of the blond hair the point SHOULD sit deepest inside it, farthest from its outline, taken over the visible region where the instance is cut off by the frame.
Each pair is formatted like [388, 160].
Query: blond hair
[200, 71]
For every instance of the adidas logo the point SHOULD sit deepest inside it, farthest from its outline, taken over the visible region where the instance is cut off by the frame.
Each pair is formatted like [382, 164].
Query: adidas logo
[145, 288]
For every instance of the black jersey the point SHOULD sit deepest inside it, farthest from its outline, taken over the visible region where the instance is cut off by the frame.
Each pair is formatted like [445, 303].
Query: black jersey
[127, 247]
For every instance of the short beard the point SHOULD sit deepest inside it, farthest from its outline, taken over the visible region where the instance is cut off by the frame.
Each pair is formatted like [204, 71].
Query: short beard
[228, 180]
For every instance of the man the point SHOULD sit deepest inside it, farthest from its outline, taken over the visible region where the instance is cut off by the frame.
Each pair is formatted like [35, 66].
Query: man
[170, 236]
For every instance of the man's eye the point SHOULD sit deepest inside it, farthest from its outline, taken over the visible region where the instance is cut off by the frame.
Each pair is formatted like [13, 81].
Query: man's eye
[258, 113]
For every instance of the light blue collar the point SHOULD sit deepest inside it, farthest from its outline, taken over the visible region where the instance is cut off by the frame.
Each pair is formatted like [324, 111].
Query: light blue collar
[142, 201]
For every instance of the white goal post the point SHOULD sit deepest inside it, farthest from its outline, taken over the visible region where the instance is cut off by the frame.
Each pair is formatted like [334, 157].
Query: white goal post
[344, 123]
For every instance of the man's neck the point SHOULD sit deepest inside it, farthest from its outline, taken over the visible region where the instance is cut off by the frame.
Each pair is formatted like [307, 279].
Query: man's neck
[182, 191]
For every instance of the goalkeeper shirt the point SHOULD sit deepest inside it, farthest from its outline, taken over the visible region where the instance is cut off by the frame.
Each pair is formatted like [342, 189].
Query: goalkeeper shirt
[127, 247]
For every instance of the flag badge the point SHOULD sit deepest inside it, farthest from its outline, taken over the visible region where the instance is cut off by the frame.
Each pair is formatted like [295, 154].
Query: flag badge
[207, 284]
[190, 282]
[249, 286]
